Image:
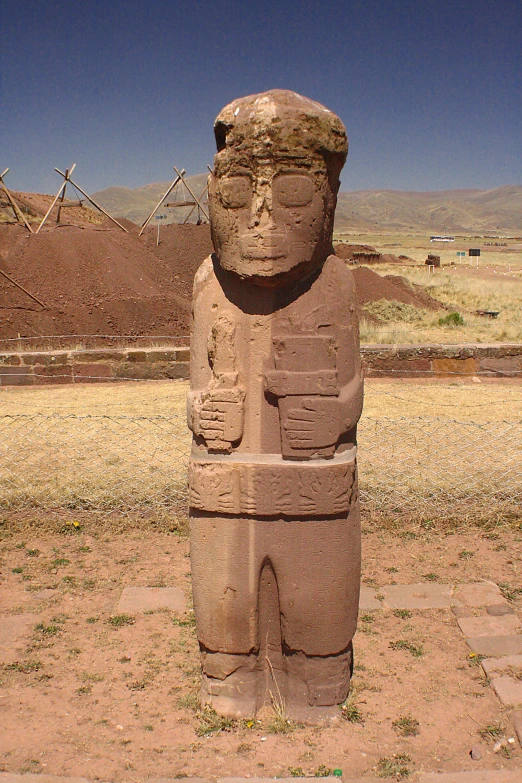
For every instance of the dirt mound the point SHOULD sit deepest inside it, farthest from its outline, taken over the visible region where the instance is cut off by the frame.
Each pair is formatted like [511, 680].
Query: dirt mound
[365, 254]
[99, 280]
[372, 287]
[37, 204]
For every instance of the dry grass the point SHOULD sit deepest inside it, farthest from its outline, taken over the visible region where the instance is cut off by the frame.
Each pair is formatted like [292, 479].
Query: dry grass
[426, 448]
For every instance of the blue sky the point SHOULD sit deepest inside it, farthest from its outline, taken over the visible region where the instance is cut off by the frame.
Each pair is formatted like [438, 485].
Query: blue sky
[430, 92]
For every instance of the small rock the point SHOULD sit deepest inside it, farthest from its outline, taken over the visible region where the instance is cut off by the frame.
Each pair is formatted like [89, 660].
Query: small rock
[475, 753]
[499, 744]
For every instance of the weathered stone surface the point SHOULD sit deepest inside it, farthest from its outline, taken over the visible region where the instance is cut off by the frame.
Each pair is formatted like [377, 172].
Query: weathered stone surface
[276, 393]
[502, 366]
[454, 366]
[145, 599]
[16, 376]
[45, 359]
[14, 631]
[478, 594]
[499, 610]
[486, 625]
[473, 776]
[508, 690]
[368, 600]
[92, 373]
[53, 374]
[496, 646]
[183, 354]
[462, 611]
[417, 596]
[136, 356]
[97, 356]
[494, 666]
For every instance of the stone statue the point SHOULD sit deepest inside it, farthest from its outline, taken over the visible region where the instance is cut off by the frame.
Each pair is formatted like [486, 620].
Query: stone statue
[276, 393]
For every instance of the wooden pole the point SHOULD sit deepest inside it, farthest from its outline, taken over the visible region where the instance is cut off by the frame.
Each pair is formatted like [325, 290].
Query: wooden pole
[63, 197]
[51, 207]
[195, 205]
[16, 209]
[23, 289]
[160, 202]
[191, 193]
[93, 202]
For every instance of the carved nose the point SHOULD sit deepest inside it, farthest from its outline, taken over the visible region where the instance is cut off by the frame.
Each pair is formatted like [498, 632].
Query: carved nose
[261, 216]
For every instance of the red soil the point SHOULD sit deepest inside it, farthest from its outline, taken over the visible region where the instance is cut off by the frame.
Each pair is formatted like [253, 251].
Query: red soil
[98, 280]
[371, 287]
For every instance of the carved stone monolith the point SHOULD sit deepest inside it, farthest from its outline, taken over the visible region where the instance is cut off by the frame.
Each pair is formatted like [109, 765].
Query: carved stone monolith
[276, 393]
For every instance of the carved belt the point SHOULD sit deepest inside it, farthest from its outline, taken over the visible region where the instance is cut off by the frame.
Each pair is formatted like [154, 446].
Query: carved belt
[267, 485]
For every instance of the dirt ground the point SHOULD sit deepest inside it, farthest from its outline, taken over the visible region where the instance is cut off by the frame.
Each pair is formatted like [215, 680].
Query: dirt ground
[109, 696]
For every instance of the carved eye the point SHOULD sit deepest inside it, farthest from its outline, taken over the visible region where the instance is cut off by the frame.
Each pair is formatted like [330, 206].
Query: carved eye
[235, 192]
[293, 190]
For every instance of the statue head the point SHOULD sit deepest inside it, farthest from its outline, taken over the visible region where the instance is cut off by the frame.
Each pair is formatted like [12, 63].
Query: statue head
[273, 191]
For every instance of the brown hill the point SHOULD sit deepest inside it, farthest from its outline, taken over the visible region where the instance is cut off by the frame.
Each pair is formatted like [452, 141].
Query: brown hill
[496, 211]
[372, 287]
[437, 212]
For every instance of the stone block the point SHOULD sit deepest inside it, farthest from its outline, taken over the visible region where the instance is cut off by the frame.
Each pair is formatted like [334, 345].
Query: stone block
[418, 596]
[45, 359]
[10, 359]
[178, 370]
[485, 625]
[478, 594]
[508, 690]
[14, 631]
[473, 776]
[509, 365]
[183, 354]
[147, 599]
[136, 356]
[97, 356]
[454, 366]
[494, 666]
[16, 376]
[496, 646]
[367, 599]
[60, 374]
[92, 373]
[162, 356]
[402, 366]
[462, 611]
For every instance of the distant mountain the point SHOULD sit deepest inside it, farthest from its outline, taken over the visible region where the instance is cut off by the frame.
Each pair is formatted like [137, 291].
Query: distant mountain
[136, 204]
[448, 211]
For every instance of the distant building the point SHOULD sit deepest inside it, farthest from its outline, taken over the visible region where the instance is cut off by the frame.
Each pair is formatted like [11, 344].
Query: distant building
[442, 239]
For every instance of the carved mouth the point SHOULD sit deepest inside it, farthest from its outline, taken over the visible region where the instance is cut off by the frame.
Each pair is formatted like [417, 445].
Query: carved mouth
[264, 248]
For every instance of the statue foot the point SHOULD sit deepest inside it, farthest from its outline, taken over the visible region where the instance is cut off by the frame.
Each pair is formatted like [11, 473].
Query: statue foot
[234, 697]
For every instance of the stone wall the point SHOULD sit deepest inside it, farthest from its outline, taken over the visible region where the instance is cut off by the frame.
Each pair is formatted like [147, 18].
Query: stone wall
[93, 366]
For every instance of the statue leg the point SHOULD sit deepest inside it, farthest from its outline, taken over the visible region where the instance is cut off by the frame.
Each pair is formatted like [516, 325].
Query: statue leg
[319, 596]
[225, 570]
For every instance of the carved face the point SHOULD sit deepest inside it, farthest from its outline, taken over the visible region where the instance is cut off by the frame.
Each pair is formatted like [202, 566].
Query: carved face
[271, 222]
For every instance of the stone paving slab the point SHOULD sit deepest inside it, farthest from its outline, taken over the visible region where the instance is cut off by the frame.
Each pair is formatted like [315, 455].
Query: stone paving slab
[14, 630]
[508, 690]
[485, 625]
[417, 596]
[148, 599]
[496, 646]
[478, 594]
[478, 776]
[368, 599]
[494, 666]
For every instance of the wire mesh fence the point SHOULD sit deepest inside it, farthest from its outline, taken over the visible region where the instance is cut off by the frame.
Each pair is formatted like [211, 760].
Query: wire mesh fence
[429, 467]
